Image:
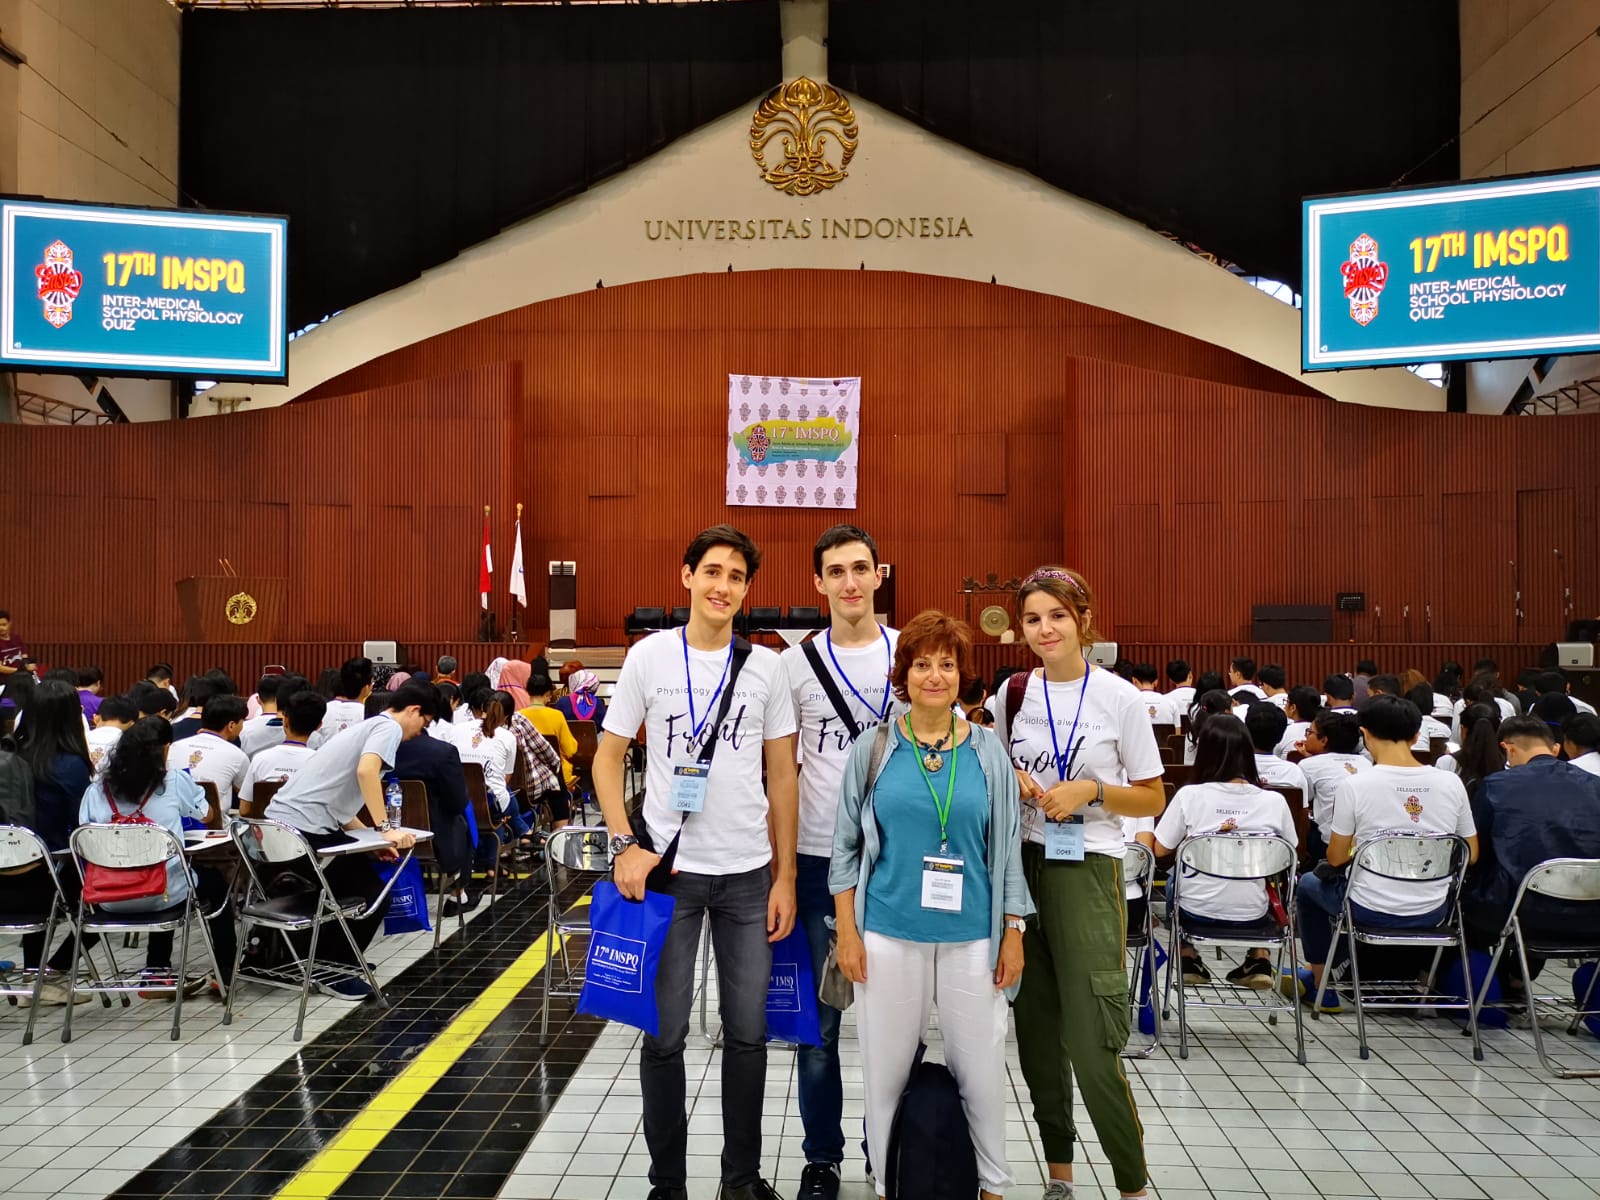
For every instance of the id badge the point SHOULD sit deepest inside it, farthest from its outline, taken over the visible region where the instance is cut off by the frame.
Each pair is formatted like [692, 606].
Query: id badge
[941, 883]
[1063, 840]
[689, 787]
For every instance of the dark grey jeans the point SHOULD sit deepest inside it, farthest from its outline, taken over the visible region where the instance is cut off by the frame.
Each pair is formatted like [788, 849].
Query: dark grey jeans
[737, 907]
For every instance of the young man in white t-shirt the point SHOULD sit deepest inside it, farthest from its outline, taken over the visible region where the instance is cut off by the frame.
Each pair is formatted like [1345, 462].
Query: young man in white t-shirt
[1158, 704]
[324, 798]
[1333, 755]
[211, 756]
[1180, 695]
[265, 728]
[301, 715]
[1303, 705]
[855, 654]
[1266, 724]
[1241, 678]
[1398, 795]
[1274, 682]
[349, 705]
[1580, 738]
[115, 714]
[734, 847]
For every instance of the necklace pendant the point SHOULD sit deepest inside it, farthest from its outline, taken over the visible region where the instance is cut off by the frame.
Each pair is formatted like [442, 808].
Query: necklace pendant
[933, 761]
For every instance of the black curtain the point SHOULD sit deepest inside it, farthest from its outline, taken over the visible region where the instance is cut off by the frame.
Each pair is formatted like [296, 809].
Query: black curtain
[1207, 120]
[393, 139]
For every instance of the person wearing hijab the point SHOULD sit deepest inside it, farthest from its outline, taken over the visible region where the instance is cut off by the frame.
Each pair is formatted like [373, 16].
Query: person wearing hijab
[493, 671]
[514, 676]
[582, 701]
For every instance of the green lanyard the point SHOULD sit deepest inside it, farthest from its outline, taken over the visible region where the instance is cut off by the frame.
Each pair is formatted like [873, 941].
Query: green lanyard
[949, 787]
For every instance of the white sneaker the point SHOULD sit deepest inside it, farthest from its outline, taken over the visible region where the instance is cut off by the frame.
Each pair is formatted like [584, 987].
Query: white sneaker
[1057, 1189]
[58, 995]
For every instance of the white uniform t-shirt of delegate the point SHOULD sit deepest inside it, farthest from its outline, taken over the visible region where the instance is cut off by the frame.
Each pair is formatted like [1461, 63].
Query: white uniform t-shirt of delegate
[1113, 744]
[1400, 800]
[729, 836]
[275, 764]
[1159, 707]
[1275, 771]
[862, 677]
[208, 758]
[1224, 808]
[260, 732]
[497, 756]
[102, 741]
[1324, 773]
[341, 715]
[1292, 737]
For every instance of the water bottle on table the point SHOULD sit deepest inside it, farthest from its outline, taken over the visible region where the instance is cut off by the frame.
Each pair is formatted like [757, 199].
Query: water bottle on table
[391, 802]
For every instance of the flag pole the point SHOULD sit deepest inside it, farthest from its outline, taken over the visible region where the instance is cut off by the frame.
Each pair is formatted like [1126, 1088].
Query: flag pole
[485, 571]
[516, 569]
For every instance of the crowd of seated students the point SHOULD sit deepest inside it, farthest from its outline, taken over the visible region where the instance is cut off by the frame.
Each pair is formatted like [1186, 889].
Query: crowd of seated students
[85, 755]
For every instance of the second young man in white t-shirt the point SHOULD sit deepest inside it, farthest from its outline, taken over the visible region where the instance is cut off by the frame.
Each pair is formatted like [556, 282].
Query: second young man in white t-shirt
[856, 654]
[1397, 795]
[728, 865]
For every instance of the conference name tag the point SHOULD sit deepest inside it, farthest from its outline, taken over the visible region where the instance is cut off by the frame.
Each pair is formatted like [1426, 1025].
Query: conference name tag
[689, 787]
[941, 883]
[1063, 840]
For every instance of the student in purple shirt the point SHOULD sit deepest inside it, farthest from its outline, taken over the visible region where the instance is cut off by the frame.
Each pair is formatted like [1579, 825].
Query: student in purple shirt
[90, 680]
[12, 651]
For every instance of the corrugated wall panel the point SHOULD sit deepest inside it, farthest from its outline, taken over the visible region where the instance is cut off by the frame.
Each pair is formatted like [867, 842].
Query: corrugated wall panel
[1237, 486]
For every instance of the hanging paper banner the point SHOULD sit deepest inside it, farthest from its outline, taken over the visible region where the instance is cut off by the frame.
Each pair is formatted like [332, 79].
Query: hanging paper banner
[793, 443]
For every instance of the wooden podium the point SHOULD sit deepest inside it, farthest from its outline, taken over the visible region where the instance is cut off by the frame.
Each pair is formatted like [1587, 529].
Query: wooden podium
[231, 608]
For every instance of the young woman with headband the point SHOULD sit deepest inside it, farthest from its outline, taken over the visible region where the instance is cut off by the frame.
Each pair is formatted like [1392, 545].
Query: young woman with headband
[1085, 757]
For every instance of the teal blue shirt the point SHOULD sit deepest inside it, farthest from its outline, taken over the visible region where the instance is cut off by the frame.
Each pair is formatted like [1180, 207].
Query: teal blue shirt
[908, 828]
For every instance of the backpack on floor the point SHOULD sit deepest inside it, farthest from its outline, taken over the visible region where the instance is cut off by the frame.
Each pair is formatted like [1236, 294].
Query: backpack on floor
[930, 1146]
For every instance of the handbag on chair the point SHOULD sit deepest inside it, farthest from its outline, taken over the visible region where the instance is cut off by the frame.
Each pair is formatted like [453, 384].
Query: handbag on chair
[108, 885]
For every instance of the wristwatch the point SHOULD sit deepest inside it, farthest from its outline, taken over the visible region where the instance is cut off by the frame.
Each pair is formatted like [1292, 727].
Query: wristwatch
[1017, 923]
[621, 842]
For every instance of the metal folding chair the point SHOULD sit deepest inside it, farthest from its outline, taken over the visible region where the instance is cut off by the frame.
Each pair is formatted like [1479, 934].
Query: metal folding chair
[267, 843]
[414, 814]
[1575, 880]
[134, 845]
[581, 848]
[261, 796]
[1406, 858]
[1237, 857]
[489, 822]
[1139, 866]
[20, 849]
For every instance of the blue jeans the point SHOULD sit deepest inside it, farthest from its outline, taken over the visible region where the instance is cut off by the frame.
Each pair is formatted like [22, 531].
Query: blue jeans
[821, 1092]
[737, 908]
[1318, 904]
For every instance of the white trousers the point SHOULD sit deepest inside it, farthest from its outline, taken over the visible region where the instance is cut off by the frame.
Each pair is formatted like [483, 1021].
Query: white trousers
[904, 981]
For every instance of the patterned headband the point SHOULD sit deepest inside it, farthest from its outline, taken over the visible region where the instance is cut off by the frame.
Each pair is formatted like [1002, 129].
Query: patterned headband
[1060, 576]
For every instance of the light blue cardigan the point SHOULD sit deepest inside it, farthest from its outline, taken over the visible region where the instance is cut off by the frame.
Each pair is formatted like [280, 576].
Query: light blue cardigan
[855, 830]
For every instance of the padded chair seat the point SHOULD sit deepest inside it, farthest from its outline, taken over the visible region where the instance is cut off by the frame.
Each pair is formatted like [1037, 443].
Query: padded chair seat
[1559, 947]
[297, 910]
[1265, 930]
[1366, 930]
[99, 918]
[21, 922]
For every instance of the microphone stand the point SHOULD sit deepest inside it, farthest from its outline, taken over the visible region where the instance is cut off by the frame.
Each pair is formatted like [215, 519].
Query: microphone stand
[1405, 619]
[1516, 601]
[1566, 593]
[1427, 611]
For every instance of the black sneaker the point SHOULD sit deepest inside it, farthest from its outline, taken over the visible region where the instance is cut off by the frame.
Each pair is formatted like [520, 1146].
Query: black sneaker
[1253, 973]
[1194, 971]
[668, 1193]
[819, 1181]
[759, 1190]
[352, 990]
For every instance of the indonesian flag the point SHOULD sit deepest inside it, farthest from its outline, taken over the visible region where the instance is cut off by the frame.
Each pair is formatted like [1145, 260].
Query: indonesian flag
[519, 587]
[485, 567]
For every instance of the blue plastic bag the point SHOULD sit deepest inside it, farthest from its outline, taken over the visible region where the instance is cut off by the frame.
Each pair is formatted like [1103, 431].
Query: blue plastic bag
[1454, 986]
[408, 900]
[792, 992]
[625, 943]
[1586, 995]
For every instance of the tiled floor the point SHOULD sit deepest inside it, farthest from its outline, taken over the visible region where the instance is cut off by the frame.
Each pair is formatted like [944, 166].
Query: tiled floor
[239, 1111]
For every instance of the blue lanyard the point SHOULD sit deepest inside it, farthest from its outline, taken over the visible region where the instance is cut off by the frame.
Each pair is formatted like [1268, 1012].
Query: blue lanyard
[688, 680]
[877, 712]
[1050, 716]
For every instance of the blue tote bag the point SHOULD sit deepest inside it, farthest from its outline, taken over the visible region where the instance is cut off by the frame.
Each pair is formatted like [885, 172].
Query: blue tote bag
[625, 943]
[792, 993]
[408, 900]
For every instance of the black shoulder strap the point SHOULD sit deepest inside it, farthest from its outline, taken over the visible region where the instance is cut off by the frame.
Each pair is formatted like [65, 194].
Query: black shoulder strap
[1016, 689]
[741, 651]
[830, 686]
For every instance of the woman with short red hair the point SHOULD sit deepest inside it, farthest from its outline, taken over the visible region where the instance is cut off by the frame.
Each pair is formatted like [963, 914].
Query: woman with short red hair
[928, 892]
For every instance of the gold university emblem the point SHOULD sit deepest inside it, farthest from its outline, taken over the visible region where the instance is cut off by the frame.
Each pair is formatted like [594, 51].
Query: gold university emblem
[808, 121]
[241, 608]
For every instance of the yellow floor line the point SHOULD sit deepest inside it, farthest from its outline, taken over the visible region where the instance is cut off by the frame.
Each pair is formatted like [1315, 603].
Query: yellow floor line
[340, 1158]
